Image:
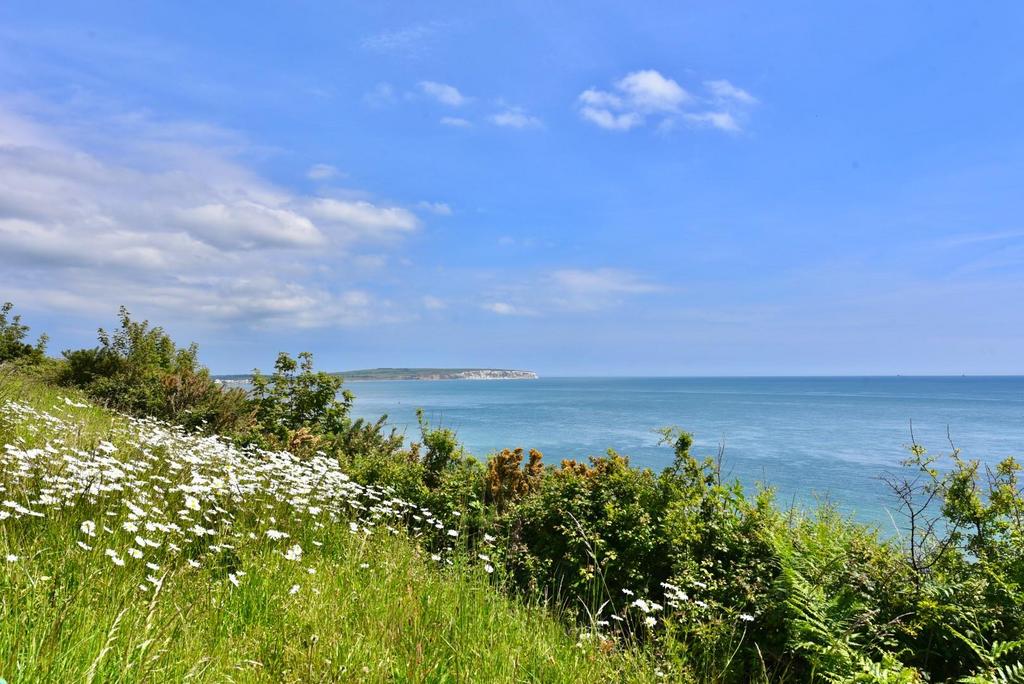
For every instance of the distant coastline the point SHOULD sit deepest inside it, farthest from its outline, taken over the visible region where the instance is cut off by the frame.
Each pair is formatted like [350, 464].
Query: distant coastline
[380, 374]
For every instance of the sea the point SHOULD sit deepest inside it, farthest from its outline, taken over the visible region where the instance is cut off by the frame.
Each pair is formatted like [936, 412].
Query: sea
[813, 440]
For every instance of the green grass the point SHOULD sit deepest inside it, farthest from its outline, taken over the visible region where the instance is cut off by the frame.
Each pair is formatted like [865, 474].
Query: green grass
[376, 607]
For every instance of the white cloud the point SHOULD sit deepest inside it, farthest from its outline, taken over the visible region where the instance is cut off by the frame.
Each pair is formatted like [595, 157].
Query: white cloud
[723, 90]
[649, 91]
[408, 41]
[439, 208]
[360, 220]
[245, 224]
[516, 117]
[506, 309]
[168, 219]
[455, 122]
[607, 119]
[321, 172]
[568, 290]
[647, 94]
[443, 93]
[721, 120]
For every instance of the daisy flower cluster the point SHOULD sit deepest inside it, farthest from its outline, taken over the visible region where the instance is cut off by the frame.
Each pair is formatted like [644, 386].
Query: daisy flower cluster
[152, 497]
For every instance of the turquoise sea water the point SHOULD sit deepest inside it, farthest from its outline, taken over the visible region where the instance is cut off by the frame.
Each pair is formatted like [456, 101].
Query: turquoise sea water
[810, 438]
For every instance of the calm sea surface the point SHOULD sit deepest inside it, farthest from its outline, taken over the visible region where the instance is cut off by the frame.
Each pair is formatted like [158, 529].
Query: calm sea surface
[810, 438]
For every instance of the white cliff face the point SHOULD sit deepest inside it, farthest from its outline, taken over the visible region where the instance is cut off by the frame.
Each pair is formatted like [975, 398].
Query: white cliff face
[486, 374]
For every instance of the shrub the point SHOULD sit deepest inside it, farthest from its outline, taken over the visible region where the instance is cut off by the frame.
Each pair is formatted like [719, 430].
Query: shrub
[296, 406]
[13, 345]
[138, 369]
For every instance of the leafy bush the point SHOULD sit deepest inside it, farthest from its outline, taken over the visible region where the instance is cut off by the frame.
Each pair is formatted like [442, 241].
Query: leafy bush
[138, 369]
[296, 407]
[13, 334]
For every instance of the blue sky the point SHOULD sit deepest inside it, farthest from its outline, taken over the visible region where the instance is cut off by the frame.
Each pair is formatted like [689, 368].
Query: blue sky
[575, 188]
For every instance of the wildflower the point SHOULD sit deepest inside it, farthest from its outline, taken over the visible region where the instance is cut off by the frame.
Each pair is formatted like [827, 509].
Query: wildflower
[435, 556]
[364, 565]
[311, 571]
[130, 526]
[294, 553]
[153, 566]
[11, 558]
[117, 560]
[193, 563]
[483, 556]
[233, 579]
[453, 533]
[191, 502]
[627, 592]
[489, 568]
[746, 617]
[650, 621]
[84, 546]
[276, 534]
[294, 590]
[642, 605]
[88, 527]
[488, 538]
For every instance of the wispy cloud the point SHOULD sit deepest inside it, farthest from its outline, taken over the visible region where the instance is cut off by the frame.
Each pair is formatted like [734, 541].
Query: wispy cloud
[516, 117]
[382, 95]
[408, 41]
[646, 95]
[322, 172]
[506, 309]
[439, 208]
[455, 122]
[569, 290]
[442, 92]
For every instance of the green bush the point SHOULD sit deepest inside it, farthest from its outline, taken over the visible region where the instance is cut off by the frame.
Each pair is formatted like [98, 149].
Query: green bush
[139, 370]
[13, 334]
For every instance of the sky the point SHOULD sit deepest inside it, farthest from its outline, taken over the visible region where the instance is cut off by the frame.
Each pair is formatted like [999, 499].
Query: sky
[575, 188]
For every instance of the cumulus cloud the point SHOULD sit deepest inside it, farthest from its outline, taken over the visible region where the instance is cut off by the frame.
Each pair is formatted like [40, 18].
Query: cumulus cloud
[166, 220]
[516, 117]
[455, 122]
[641, 96]
[443, 93]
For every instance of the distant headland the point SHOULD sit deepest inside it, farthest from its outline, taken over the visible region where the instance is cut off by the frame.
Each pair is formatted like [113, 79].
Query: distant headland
[369, 374]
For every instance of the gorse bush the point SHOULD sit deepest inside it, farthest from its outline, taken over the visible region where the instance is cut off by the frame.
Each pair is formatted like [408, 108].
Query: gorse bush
[714, 583]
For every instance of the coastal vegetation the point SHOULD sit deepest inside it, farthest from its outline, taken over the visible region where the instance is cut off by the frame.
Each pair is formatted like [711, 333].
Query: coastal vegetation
[157, 525]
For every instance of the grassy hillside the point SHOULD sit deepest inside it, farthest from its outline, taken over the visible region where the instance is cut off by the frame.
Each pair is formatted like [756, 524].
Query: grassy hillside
[136, 552]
